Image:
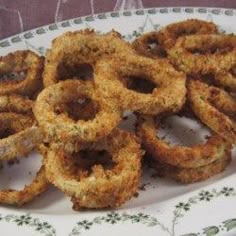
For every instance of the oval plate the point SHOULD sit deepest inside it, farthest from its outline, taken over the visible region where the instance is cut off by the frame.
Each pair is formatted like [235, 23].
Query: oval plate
[162, 207]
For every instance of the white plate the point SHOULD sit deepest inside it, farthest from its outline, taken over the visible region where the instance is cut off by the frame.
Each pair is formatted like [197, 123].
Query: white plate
[165, 207]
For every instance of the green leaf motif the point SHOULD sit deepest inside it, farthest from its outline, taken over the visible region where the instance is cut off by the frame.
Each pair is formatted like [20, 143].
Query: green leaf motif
[211, 231]
[227, 191]
[205, 196]
[114, 218]
[230, 224]
[43, 228]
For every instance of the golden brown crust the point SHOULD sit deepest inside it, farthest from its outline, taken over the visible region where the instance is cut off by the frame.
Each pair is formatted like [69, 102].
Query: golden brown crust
[17, 119]
[211, 105]
[215, 53]
[23, 138]
[167, 96]
[20, 197]
[61, 127]
[21, 62]
[188, 176]
[180, 156]
[81, 47]
[102, 188]
[227, 79]
[154, 44]
[150, 45]
[16, 103]
[172, 32]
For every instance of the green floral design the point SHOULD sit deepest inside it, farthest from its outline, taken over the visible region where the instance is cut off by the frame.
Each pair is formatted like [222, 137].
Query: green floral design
[142, 29]
[207, 196]
[179, 212]
[226, 226]
[115, 218]
[43, 228]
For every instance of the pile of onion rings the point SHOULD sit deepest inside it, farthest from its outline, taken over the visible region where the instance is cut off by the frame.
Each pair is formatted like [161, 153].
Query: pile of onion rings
[185, 68]
[156, 44]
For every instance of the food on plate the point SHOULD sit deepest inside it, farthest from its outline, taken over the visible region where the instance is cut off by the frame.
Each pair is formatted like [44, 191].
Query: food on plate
[60, 126]
[90, 80]
[18, 135]
[191, 175]
[154, 44]
[214, 107]
[73, 49]
[150, 45]
[203, 54]
[227, 79]
[20, 73]
[195, 156]
[15, 103]
[90, 183]
[82, 109]
[115, 78]
[172, 32]
[19, 197]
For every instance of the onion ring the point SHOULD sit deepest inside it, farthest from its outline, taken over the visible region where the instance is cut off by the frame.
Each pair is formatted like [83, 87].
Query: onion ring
[172, 32]
[187, 176]
[60, 126]
[180, 156]
[102, 188]
[218, 57]
[23, 138]
[81, 47]
[19, 197]
[167, 96]
[18, 63]
[154, 44]
[210, 104]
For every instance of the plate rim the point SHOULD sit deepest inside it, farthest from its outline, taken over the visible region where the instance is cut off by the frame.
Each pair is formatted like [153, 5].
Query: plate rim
[29, 34]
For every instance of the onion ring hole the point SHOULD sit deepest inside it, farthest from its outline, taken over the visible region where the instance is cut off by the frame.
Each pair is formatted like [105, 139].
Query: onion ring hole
[81, 71]
[138, 84]
[82, 109]
[183, 131]
[82, 162]
[5, 132]
[14, 76]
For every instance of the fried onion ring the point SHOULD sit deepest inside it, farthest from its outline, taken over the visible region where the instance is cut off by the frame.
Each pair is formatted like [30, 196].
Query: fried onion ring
[101, 188]
[167, 96]
[172, 32]
[22, 135]
[180, 156]
[19, 197]
[154, 44]
[26, 69]
[203, 54]
[61, 126]
[80, 47]
[214, 107]
[191, 175]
